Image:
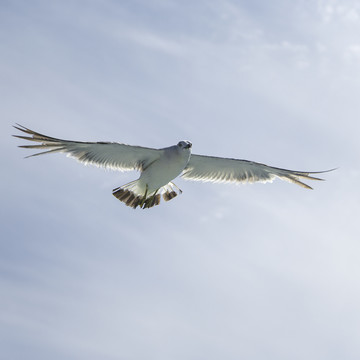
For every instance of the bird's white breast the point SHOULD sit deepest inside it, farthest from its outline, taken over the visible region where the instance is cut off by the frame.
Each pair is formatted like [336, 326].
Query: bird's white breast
[166, 168]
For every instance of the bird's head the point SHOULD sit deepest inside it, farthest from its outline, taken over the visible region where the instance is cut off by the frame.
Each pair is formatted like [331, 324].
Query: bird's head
[184, 144]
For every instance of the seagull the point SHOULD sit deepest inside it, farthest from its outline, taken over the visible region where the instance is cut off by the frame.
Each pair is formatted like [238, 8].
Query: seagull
[158, 167]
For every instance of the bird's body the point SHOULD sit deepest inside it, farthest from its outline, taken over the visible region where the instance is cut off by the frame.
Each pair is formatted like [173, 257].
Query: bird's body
[170, 164]
[159, 167]
[156, 176]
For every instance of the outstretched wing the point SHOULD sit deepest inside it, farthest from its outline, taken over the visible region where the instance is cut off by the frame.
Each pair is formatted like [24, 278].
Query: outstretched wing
[216, 169]
[103, 154]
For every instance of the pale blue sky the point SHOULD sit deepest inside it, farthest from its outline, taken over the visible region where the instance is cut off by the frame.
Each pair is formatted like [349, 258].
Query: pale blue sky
[222, 271]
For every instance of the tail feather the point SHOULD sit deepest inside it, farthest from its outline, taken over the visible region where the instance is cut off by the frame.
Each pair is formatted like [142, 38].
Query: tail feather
[168, 195]
[131, 195]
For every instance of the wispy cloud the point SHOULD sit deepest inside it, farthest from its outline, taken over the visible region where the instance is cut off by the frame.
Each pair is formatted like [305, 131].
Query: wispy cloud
[221, 271]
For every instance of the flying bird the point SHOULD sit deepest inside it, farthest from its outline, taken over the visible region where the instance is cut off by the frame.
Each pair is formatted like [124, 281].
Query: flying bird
[158, 167]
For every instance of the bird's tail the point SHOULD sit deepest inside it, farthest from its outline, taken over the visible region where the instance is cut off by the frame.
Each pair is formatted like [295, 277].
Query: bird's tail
[134, 196]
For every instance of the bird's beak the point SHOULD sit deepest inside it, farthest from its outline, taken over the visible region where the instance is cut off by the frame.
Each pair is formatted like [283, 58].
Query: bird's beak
[188, 146]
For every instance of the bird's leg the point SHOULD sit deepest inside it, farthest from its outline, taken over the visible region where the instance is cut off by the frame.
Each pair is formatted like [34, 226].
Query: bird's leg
[153, 200]
[153, 197]
[144, 197]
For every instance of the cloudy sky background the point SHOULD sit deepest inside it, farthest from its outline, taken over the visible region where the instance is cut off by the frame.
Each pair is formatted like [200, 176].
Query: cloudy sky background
[222, 271]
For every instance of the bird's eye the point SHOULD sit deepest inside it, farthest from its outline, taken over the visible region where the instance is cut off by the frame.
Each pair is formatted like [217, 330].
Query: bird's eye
[179, 144]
